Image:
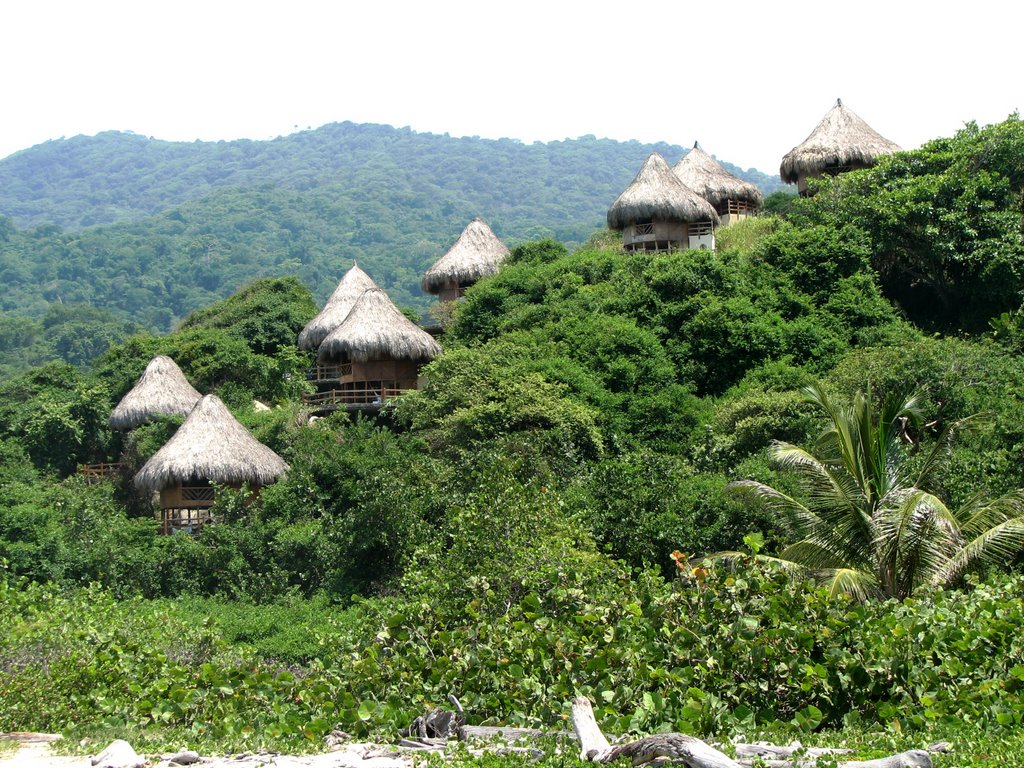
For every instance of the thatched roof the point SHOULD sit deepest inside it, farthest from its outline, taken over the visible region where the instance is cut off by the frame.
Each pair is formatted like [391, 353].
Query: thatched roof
[376, 330]
[162, 390]
[704, 175]
[336, 309]
[657, 194]
[211, 445]
[477, 253]
[841, 138]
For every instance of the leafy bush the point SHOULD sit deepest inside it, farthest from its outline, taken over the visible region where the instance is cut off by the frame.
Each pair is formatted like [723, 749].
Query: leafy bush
[710, 652]
[471, 398]
[640, 505]
[942, 224]
[267, 314]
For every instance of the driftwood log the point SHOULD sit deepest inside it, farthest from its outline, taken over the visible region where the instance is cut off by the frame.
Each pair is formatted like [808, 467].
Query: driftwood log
[775, 752]
[501, 732]
[438, 723]
[432, 732]
[691, 751]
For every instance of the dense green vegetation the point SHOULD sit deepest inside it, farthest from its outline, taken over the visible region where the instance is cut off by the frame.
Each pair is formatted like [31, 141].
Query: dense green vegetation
[115, 177]
[753, 653]
[872, 524]
[147, 231]
[942, 225]
[533, 522]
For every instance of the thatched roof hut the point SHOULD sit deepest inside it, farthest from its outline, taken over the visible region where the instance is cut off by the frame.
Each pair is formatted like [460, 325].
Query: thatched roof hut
[477, 253]
[211, 445]
[375, 329]
[704, 175]
[657, 194]
[349, 289]
[162, 390]
[842, 141]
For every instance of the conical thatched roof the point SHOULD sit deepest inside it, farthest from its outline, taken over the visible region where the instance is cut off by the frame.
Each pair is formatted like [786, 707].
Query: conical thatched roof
[704, 175]
[841, 138]
[376, 330]
[337, 307]
[477, 253]
[162, 390]
[657, 194]
[211, 445]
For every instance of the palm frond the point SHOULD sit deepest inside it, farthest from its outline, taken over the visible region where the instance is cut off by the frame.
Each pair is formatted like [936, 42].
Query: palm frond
[846, 581]
[997, 543]
[815, 555]
[978, 514]
[798, 515]
[940, 448]
[825, 487]
[917, 540]
[732, 557]
[846, 535]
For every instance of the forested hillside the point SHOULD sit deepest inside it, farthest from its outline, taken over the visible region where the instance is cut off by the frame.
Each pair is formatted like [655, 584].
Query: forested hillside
[836, 388]
[141, 232]
[562, 187]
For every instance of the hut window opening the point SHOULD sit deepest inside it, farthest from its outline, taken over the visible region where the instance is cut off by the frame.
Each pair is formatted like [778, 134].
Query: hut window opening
[835, 170]
[197, 489]
[184, 520]
[700, 229]
[197, 493]
[643, 228]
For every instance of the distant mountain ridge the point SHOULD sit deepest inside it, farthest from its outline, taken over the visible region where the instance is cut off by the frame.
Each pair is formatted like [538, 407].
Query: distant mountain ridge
[103, 235]
[116, 177]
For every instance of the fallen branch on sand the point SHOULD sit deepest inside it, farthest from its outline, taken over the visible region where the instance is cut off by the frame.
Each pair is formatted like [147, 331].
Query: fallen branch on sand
[681, 748]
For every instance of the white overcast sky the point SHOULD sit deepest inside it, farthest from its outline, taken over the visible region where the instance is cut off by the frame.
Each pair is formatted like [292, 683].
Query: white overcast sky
[749, 80]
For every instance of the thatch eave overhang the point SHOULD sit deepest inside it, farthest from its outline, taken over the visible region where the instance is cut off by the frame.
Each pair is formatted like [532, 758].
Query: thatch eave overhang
[476, 254]
[211, 445]
[657, 194]
[376, 329]
[840, 140]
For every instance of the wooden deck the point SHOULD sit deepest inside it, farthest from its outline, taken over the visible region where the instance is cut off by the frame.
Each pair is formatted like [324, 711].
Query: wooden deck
[369, 398]
[104, 470]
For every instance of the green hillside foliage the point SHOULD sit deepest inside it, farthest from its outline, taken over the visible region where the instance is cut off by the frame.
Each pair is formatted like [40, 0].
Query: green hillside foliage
[942, 224]
[115, 177]
[532, 523]
[151, 231]
[267, 315]
[76, 334]
[749, 654]
[642, 323]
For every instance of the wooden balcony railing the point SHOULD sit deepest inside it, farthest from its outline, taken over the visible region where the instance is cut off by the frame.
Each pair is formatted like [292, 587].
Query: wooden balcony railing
[329, 372]
[104, 470]
[183, 520]
[357, 396]
[740, 208]
[644, 228]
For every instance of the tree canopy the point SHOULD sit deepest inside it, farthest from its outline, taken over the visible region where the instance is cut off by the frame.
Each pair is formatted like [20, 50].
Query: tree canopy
[868, 519]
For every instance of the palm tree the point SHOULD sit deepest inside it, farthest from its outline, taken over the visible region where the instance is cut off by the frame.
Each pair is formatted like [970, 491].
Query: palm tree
[868, 524]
